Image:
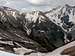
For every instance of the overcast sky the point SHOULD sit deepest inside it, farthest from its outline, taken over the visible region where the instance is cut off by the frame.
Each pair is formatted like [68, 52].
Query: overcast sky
[35, 4]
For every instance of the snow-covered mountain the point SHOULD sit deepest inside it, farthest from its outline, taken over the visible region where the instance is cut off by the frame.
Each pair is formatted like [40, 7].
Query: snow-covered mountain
[42, 31]
[56, 15]
[61, 16]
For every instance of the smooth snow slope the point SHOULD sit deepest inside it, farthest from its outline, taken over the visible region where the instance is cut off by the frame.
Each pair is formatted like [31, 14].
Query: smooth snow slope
[2, 53]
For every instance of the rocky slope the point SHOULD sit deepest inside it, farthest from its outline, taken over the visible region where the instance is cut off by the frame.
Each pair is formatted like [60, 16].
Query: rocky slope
[36, 30]
[56, 15]
[64, 17]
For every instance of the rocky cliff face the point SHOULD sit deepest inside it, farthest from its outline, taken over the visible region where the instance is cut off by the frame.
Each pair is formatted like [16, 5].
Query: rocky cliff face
[64, 17]
[36, 30]
[58, 15]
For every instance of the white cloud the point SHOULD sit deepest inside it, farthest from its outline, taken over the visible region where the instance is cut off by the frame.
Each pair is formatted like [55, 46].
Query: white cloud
[39, 2]
[2, 2]
[35, 4]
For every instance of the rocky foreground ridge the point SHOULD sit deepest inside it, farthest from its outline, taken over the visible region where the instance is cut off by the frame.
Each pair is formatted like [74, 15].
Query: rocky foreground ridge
[36, 30]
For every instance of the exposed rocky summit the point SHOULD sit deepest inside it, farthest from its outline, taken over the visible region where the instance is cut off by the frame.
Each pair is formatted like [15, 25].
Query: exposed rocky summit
[36, 30]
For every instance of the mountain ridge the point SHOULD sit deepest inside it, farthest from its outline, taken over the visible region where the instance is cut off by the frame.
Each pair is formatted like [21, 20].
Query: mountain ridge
[43, 28]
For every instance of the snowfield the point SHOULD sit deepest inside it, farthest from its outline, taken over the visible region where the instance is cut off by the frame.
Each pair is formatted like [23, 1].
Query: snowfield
[2, 53]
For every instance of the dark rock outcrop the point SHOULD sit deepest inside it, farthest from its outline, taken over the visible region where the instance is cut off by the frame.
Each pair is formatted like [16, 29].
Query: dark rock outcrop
[69, 51]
